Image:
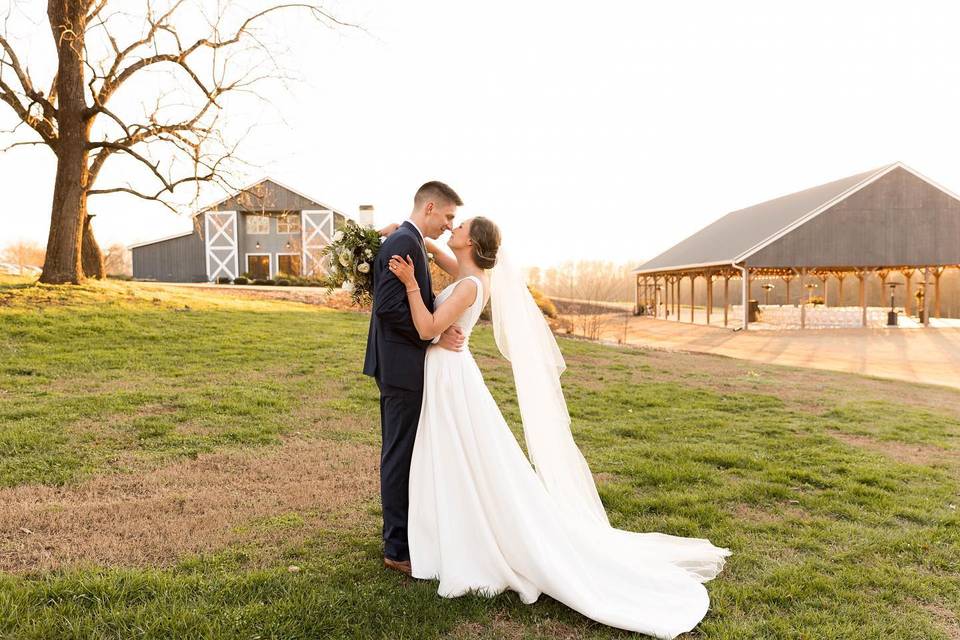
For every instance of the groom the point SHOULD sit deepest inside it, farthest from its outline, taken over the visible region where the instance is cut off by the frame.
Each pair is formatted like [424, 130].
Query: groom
[395, 356]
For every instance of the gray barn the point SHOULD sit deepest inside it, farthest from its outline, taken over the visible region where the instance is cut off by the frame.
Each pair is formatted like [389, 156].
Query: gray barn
[863, 228]
[264, 230]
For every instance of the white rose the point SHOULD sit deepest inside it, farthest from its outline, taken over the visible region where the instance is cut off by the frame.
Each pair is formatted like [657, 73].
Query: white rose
[369, 253]
[347, 286]
[338, 236]
[363, 267]
[345, 258]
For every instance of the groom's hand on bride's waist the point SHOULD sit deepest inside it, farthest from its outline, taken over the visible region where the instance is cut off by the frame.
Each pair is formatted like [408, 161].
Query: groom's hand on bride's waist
[452, 339]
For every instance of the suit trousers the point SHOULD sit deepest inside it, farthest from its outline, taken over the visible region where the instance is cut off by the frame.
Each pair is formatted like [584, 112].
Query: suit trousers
[399, 416]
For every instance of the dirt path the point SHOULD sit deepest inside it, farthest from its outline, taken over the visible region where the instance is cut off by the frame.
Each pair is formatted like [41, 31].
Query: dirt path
[930, 356]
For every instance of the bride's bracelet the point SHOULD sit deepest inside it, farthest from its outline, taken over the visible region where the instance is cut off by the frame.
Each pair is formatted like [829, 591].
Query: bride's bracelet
[413, 290]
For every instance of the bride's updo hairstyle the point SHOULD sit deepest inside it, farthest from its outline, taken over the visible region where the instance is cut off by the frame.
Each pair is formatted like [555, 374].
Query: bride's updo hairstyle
[486, 241]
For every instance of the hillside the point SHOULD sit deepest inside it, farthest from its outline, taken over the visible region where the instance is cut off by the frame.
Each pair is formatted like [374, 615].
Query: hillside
[167, 455]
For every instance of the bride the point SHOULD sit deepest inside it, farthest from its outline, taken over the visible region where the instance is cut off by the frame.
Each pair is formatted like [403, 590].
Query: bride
[482, 518]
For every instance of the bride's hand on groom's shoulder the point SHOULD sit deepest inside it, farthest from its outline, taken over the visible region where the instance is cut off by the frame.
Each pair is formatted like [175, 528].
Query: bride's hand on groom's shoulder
[390, 228]
[403, 269]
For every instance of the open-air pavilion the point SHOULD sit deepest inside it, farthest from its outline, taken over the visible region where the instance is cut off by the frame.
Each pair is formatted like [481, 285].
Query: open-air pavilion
[891, 234]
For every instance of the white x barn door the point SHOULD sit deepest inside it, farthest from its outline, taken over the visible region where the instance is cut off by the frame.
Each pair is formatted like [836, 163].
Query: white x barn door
[220, 229]
[316, 230]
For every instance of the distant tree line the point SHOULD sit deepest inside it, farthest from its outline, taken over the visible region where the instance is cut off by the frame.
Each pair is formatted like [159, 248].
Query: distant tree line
[587, 280]
[23, 254]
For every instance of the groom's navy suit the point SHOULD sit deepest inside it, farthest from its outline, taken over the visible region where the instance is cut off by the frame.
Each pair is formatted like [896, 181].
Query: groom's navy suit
[395, 356]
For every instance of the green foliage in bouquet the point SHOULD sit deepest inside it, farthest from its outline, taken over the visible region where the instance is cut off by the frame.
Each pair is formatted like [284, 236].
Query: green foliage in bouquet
[351, 256]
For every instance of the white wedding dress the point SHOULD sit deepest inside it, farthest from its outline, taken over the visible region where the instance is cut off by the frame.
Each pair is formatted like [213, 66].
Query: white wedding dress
[482, 520]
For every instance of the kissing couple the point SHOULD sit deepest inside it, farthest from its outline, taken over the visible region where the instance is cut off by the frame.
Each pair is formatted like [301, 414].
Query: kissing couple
[462, 503]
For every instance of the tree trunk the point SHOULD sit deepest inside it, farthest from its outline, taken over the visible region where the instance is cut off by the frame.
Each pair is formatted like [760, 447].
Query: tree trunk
[63, 265]
[91, 257]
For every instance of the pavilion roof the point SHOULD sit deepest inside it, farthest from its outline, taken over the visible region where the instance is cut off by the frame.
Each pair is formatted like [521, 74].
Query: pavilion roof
[739, 234]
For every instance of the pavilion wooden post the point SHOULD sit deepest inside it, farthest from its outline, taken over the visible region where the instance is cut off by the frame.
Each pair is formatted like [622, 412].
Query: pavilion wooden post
[668, 297]
[709, 277]
[883, 286]
[841, 276]
[665, 297]
[745, 294]
[669, 309]
[636, 296]
[862, 277]
[937, 272]
[786, 280]
[677, 298]
[908, 275]
[653, 293]
[926, 297]
[726, 299]
[823, 280]
[803, 302]
[693, 288]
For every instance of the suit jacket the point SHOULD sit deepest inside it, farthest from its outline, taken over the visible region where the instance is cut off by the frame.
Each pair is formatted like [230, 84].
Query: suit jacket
[395, 352]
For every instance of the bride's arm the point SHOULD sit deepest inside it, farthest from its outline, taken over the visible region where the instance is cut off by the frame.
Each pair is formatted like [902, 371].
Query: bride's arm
[443, 259]
[430, 325]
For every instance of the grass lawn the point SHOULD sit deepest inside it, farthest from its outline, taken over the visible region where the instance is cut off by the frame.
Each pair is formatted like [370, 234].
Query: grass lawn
[180, 463]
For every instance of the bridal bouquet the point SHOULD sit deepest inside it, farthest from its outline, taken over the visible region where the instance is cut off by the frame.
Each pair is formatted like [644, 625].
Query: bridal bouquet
[351, 255]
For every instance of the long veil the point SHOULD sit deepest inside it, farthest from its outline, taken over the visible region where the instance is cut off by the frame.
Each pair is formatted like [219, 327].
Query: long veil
[525, 339]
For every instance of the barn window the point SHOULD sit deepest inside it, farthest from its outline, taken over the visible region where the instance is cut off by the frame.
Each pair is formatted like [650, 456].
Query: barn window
[288, 223]
[258, 224]
[288, 264]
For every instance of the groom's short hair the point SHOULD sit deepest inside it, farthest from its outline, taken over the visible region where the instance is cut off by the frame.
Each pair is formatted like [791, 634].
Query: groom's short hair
[436, 190]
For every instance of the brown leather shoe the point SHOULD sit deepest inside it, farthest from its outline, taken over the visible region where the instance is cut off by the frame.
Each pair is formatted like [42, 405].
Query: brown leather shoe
[403, 566]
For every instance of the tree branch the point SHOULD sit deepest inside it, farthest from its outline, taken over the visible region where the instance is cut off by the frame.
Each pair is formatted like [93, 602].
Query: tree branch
[95, 11]
[115, 78]
[44, 126]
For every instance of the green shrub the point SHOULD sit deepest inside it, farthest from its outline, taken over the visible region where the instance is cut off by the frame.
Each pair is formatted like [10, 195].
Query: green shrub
[241, 280]
[223, 280]
[260, 281]
[270, 282]
[283, 282]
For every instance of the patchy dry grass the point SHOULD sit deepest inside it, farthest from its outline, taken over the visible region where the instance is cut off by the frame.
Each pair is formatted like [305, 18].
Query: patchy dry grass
[155, 517]
[166, 455]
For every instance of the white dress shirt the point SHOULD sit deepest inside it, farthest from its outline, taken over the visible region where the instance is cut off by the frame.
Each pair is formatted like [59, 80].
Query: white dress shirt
[417, 228]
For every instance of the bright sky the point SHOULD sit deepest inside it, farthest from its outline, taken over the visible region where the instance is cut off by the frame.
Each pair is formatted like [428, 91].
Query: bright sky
[602, 130]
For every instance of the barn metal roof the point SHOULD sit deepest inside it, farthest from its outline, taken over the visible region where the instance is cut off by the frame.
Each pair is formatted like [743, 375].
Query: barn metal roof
[252, 186]
[739, 234]
[164, 239]
[246, 189]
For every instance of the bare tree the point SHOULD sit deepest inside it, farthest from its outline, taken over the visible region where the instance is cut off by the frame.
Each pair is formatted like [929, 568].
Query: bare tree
[118, 261]
[589, 294]
[589, 280]
[23, 254]
[178, 142]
